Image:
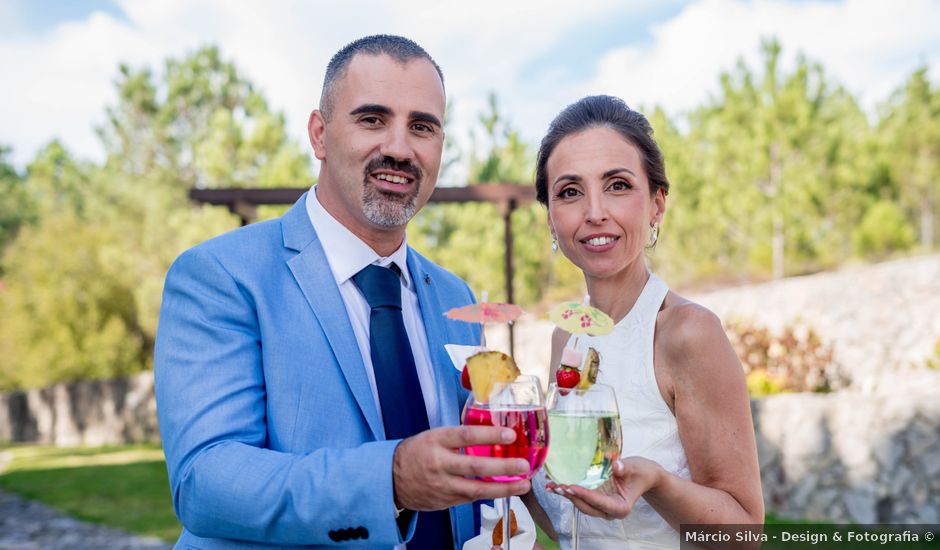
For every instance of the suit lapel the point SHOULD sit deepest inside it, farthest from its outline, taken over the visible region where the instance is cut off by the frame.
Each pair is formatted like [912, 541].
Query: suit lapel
[312, 272]
[433, 318]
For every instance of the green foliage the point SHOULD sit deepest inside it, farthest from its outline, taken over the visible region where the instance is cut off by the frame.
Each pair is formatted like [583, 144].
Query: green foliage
[793, 360]
[883, 230]
[82, 285]
[934, 362]
[761, 184]
[16, 208]
[910, 142]
[205, 125]
[68, 315]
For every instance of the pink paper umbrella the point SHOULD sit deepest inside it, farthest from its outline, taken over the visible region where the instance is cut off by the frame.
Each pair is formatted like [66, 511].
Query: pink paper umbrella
[485, 312]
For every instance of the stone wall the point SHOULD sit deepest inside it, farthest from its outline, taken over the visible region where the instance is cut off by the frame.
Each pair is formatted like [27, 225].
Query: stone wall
[98, 412]
[852, 456]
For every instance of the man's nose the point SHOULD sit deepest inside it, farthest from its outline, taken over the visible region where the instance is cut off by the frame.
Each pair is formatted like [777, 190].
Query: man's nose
[397, 144]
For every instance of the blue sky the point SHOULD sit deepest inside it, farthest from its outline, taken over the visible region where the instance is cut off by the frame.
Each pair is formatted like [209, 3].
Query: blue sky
[536, 55]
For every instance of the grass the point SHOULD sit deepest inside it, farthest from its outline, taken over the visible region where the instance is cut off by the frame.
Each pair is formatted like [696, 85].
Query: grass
[124, 487]
[542, 538]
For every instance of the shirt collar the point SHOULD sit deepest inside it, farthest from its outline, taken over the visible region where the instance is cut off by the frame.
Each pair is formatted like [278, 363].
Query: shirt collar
[345, 252]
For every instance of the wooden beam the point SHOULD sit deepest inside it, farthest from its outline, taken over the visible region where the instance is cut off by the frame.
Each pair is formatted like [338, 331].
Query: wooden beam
[484, 192]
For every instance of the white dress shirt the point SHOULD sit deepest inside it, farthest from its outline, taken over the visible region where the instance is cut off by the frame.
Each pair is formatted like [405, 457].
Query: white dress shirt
[348, 255]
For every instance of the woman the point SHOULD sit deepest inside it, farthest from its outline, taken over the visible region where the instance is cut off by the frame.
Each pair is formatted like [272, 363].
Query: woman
[689, 454]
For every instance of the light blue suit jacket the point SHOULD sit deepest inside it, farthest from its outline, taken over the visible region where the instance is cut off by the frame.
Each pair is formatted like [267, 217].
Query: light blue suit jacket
[271, 432]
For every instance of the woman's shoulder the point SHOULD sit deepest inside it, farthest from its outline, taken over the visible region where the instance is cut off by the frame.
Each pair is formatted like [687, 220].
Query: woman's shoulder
[685, 329]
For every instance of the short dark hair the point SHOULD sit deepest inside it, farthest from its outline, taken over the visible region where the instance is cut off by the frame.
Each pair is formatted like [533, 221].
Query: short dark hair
[398, 48]
[608, 112]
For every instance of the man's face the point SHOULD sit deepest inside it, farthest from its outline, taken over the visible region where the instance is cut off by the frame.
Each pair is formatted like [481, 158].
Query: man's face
[380, 151]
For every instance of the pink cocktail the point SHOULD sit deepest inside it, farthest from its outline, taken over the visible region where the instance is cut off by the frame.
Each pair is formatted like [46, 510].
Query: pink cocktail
[531, 443]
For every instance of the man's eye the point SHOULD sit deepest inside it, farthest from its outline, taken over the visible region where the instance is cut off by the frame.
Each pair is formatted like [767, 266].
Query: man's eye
[370, 120]
[423, 128]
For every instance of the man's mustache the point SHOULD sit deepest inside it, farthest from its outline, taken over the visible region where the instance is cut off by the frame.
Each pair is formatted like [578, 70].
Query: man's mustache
[389, 163]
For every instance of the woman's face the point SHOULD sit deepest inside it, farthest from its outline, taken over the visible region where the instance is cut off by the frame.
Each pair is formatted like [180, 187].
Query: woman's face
[599, 203]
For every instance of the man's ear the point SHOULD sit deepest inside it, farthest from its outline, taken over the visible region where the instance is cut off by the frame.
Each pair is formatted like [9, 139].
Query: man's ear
[316, 128]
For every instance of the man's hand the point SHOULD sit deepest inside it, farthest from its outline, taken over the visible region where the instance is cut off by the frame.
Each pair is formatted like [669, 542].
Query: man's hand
[428, 470]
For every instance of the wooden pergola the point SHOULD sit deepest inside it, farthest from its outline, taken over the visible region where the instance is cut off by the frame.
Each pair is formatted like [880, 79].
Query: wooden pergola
[243, 202]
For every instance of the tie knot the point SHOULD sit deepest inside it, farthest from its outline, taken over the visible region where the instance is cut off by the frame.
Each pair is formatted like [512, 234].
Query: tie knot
[380, 286]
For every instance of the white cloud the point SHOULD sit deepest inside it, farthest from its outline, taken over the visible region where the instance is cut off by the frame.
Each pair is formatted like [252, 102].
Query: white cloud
[63, 77]
[864, 45]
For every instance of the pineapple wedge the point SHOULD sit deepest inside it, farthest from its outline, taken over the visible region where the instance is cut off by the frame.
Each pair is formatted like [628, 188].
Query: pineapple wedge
[592, 364]
[486, 369]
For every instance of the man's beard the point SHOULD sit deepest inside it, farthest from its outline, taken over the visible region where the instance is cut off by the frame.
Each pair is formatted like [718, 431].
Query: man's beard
[390, 209]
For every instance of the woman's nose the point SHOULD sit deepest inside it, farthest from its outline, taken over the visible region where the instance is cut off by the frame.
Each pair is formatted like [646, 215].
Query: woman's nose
[596, 209]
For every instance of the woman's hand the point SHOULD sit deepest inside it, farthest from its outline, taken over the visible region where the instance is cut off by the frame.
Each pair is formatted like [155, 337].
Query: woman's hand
[632, 477]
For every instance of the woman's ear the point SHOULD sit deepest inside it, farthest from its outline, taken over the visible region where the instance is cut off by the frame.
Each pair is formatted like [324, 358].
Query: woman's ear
[658, 206]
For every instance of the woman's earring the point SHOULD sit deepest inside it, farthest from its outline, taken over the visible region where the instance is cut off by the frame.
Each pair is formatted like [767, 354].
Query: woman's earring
[554, 244]
[654, 234]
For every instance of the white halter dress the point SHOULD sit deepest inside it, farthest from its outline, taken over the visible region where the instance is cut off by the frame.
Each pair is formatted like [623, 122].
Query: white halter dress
[649, 431]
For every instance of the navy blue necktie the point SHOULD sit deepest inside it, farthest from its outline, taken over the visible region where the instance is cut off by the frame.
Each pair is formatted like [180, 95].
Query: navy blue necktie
[396, 378]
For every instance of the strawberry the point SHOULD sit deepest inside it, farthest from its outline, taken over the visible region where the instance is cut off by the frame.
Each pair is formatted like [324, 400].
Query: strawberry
[567, 377]
[465, 378]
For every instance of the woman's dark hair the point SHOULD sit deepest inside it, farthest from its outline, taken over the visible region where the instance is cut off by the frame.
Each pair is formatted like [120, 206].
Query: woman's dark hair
[607, 112]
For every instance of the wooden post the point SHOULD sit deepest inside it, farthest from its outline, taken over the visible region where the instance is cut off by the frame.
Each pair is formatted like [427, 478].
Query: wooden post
[507, 207]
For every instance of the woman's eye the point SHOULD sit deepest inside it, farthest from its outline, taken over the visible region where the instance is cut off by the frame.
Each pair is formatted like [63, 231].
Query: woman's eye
[568, 192]
[620, 185]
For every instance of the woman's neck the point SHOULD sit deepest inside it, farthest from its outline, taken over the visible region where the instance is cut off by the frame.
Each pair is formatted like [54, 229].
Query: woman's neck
[616, 295]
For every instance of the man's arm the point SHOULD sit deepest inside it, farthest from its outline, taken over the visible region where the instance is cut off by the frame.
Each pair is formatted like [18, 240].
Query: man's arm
[211, 403]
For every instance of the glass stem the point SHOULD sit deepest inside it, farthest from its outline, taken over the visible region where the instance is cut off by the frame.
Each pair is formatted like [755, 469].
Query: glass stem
[575, 518]
[506, 526]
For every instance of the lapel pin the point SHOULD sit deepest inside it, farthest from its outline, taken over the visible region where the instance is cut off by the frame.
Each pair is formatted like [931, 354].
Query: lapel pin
[427, 279]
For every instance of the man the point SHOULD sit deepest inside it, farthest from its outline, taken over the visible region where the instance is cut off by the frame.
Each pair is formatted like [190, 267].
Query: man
[291, 414]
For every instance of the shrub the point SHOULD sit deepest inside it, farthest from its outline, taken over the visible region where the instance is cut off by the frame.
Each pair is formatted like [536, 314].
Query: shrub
[934, 363]
[884, 229]
[793, 360]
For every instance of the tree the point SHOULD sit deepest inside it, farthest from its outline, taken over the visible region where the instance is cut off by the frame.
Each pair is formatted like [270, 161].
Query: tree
[82, 287]
[773, 149]
[204, 125]
[16, 208]
[67, 311]
[883, 230]
[910, 129]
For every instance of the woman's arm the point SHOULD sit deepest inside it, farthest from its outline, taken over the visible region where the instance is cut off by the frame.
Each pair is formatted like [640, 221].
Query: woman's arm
[713, 413]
